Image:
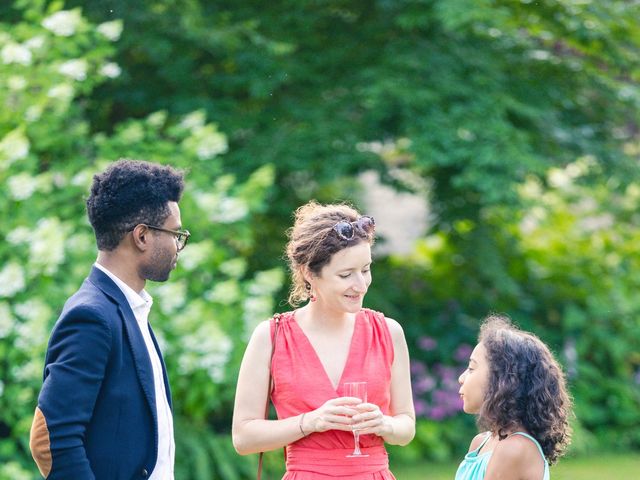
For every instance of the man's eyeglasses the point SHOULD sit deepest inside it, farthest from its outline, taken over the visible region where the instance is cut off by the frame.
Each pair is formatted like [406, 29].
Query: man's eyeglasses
[182, 236]
[346, 230]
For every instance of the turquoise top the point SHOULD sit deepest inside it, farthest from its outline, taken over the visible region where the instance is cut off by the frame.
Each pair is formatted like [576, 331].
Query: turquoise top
[474, 465]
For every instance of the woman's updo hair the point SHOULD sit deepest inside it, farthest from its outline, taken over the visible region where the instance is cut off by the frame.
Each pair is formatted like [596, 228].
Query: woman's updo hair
[313, 241]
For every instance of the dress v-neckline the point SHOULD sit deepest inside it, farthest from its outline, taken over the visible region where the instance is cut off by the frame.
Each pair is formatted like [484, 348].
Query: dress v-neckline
[345, 368]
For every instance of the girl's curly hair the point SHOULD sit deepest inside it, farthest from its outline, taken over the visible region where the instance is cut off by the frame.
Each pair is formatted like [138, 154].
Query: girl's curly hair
[526, 387]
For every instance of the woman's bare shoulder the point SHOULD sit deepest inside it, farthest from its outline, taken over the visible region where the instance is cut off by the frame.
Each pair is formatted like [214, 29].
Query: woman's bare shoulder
[394, 327]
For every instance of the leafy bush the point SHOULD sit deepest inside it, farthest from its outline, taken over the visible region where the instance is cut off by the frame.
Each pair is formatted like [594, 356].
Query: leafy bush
[520, 117]
[568, 271]
[48, 153]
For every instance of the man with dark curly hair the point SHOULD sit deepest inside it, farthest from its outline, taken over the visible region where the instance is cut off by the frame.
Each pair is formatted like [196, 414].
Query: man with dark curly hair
[104, 411]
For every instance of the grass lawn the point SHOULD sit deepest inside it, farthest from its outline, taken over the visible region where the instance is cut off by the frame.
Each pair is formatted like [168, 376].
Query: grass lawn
[602, 467]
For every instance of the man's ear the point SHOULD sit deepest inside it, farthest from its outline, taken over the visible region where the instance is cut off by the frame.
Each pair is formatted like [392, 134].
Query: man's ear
[140, 237]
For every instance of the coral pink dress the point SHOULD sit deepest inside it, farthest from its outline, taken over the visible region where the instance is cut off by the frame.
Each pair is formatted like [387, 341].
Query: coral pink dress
[301, 384]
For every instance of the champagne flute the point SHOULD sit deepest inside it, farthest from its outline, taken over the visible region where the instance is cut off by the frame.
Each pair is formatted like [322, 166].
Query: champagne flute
[358, 390]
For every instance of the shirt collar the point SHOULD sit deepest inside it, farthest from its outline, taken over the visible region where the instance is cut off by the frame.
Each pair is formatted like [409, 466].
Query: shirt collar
[136, 300]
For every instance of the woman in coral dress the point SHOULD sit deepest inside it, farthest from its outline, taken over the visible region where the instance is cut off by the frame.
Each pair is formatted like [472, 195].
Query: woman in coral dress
[319, 347]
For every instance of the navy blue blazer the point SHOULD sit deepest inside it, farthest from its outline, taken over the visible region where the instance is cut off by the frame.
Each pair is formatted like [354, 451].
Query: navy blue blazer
[96, 416]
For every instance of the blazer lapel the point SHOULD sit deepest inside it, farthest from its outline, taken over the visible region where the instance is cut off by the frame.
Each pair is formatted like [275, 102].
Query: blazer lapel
[134, 336]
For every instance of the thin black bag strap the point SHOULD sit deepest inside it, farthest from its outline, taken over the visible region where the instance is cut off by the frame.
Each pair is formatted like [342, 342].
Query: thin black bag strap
[276, 318]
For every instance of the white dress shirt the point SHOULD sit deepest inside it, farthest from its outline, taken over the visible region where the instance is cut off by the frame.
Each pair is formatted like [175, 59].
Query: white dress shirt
[140, 304]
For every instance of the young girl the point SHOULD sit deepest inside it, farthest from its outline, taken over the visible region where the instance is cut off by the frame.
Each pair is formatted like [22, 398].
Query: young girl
[517, 389]
[319, 347]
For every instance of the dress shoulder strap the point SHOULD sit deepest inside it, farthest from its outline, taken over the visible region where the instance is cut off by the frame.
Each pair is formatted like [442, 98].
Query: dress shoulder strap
[487, 436]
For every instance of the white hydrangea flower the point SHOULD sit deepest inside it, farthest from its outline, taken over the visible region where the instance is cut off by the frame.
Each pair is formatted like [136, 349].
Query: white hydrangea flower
[206, 142]
[594, 223]
[33, 113]
[266, 282]
[111, 30]
[157, 119]
[255, 310]
[195, 254]
[47, 245]
[532, 220]
[171, 296]
[45, 183]
[206, 201]
[80, 242]
[194, 120]
[531, 188]
[235, 267]
[32, 330]
[22, 186]
[229, 210]
[62, 91]
[204, 346]
[35, 43]
[16, 82]
[558, 178]
[6, 320]
[226, 292]
[29, 310]
[208, 349]
[373, 147]
[63, 23]
[18, 235]
[28, 371]
[14, 146]
[210, 143]
[132, 133]
[13, 469]
[110, 70]
[16, 53]
[58, 179]
[466, 134]
[76, 69]
[539, 55]
[633, 192]
[581, 166]
[529, 224]
[82, 179]
[12, 279]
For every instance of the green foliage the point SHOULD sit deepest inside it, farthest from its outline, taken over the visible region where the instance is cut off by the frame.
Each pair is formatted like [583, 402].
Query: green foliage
[571, 278]
[580, 244]
[208, 455]
[48, 154]
[518, 119]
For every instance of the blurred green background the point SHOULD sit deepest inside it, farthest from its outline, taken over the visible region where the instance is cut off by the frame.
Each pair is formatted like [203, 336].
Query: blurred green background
[495, 142]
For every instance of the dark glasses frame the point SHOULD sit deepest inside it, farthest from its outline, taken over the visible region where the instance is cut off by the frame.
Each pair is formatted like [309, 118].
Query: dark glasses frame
[181, 236]
[347, 230]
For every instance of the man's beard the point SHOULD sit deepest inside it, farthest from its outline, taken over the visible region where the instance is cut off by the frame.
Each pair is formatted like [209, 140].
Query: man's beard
[159, 269]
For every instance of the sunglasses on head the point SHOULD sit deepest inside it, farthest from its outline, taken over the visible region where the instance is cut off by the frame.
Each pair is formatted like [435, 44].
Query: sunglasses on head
[347, 230]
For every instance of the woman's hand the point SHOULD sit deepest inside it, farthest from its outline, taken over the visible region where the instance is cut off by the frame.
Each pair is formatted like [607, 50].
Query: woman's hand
[335, 414]
[370, 420]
